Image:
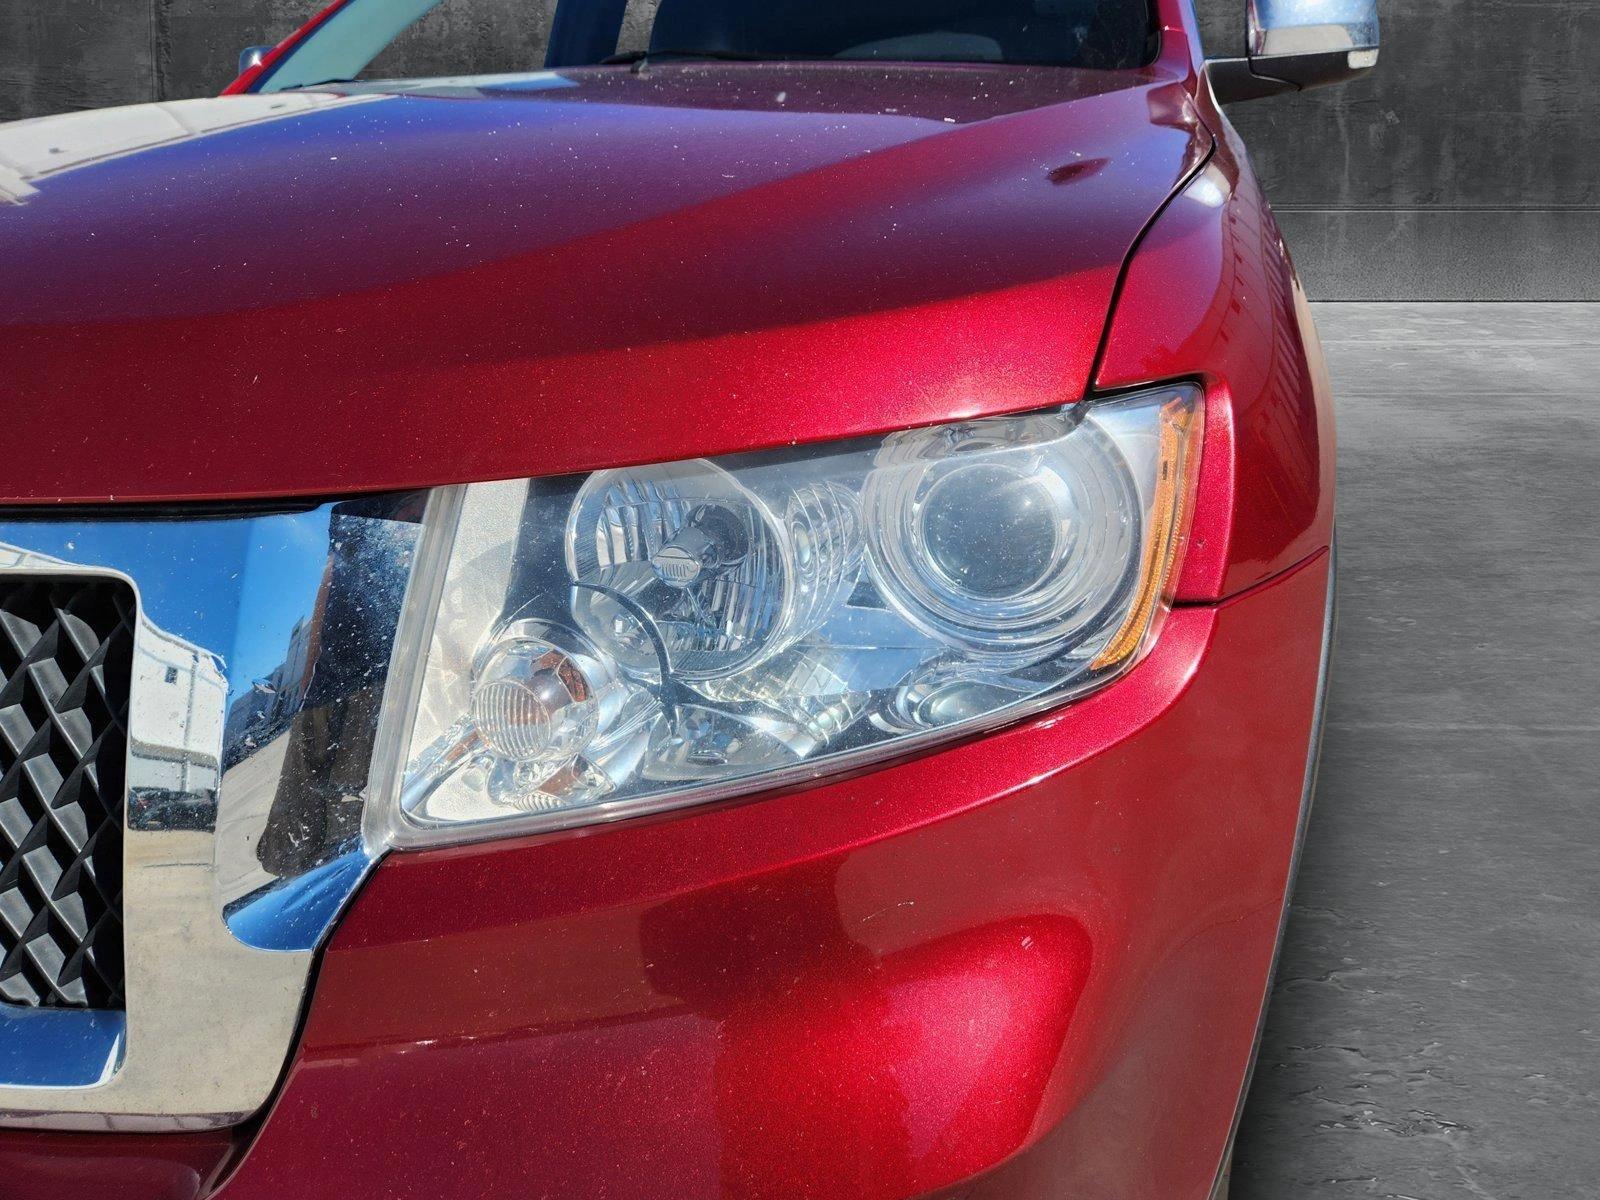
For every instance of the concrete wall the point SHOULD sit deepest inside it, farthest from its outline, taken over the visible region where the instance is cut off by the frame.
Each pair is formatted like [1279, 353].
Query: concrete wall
[1468, 167]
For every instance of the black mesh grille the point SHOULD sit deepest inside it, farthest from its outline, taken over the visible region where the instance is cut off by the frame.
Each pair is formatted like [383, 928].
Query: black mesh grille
[66, 656]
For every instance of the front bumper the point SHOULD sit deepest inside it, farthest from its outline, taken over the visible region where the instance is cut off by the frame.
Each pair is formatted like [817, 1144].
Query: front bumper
[1029, 965]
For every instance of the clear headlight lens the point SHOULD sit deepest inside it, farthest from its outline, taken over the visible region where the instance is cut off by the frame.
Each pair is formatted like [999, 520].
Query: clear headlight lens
[644, 638]
[1005, 539]
[723, 578]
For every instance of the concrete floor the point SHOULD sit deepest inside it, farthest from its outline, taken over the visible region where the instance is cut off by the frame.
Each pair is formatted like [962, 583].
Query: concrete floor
[1435, 1029]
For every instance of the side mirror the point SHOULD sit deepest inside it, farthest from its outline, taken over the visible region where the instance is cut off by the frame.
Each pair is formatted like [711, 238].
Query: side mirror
[1292, 45]
[251, 56]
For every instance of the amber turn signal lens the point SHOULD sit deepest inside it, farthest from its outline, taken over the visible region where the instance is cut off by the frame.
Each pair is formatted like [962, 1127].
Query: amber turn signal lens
[1163, 549]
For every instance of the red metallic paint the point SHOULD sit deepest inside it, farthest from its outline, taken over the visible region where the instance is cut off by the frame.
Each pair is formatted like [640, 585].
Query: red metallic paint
[417, 290]
[1212, 294]
[1053, 941]
[110, 1166]
[1027, 966]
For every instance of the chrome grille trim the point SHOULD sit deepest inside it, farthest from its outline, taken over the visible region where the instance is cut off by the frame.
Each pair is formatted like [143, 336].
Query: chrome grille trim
[261, 655]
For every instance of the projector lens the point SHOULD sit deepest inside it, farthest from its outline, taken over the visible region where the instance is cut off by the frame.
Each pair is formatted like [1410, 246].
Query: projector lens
[1005, 539]
[991, 532]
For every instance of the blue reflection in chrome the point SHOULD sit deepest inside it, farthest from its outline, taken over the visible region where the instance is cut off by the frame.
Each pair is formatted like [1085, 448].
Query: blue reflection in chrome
[221, 584]
[294, 913]
[45, 1047]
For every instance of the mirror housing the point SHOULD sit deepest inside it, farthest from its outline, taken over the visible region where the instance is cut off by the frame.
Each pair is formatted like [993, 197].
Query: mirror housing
[1292, 45]
[251, 56]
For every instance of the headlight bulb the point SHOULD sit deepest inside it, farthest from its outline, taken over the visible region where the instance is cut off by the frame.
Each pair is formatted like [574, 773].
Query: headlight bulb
[724, 578]
[712, 539]
[541, 694]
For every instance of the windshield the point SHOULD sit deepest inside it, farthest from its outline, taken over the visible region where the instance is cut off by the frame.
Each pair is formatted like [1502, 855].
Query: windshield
[430, 38]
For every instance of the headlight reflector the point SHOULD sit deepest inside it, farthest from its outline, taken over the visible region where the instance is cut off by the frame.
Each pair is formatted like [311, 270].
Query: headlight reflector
[649, 637]
[686, 555]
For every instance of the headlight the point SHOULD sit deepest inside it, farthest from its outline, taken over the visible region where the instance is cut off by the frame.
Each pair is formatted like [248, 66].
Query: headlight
[645, 638]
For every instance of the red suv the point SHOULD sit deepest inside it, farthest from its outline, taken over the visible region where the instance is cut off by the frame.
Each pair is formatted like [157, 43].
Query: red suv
[718, 598]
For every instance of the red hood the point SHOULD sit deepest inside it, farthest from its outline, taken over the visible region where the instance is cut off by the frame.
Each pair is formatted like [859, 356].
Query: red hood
[326, 293]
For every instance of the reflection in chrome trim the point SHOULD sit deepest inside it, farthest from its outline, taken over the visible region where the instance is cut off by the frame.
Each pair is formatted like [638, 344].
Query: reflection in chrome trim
[60, 1048]
[261, 656]
[1300, 27]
